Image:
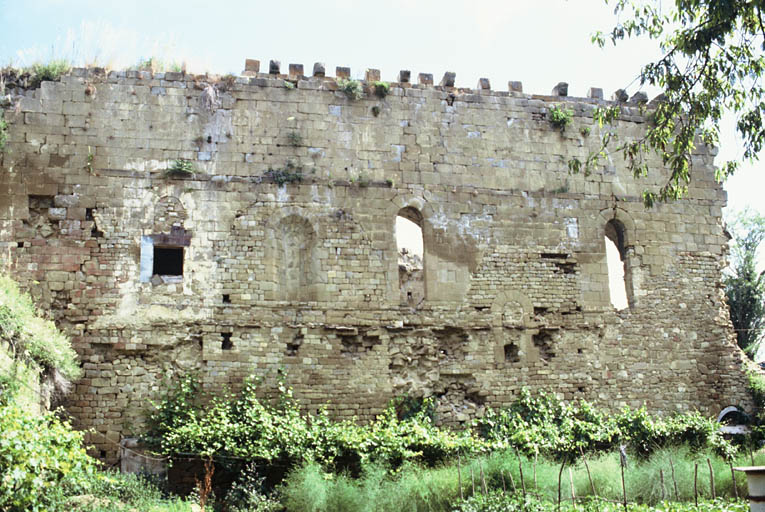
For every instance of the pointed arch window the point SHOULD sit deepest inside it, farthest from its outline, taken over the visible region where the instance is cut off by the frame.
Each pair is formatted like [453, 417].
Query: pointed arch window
[411, 255]
[616, 258]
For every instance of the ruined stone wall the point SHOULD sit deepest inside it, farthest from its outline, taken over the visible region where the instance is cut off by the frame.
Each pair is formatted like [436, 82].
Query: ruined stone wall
[303, 274]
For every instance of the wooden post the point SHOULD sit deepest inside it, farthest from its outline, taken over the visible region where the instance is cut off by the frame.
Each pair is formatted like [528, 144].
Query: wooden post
[674, 482]
[589, 475]
[472, 479]
[483, 481]
[560, 473]
[711, 478]
[512, 482]
[661, 479]
[733, 479]
[535, 470]
[459, 475]
[520, 470]
[695, 483]
[624, 487]
[571, 484]
[504, 487]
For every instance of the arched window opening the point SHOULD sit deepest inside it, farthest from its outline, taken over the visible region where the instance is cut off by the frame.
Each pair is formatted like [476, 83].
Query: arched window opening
[616, 254]
[411, 257]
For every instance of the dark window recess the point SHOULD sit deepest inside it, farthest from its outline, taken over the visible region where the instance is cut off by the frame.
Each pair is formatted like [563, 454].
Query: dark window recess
[511, 353]
[88, 213]
[292, 348]
[226, 298]
[581, 389]
[168, 261]
[226, 344]
[20, 244]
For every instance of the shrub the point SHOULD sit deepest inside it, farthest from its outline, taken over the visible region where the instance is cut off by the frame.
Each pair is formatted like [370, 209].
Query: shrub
[180, 169]
[351, 88]
[34, 337]
[381, 89]
[41, 459]
[560, 117]
[48, 72]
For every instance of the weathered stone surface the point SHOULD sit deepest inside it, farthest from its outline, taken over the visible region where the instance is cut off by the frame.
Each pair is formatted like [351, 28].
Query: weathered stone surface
[228, 271]
[404, 75]
[319, 69]
[274, 67]
[561, 89]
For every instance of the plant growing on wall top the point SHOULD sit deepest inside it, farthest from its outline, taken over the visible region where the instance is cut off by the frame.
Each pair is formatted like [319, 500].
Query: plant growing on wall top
[180, 169]
[351, 88]
[560, 117]
[381, 89]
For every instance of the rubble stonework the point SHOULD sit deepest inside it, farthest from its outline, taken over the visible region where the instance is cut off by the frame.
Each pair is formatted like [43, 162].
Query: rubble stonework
[279, 250]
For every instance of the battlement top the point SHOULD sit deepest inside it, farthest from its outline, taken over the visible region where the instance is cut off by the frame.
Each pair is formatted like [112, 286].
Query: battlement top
[295, 77]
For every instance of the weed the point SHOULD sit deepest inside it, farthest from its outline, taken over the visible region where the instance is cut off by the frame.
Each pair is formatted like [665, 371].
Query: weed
[291, 173]
[289, 85]
[381, 89]
[560, 117]
[585, 131]
[155, 65]
[48, 72]
[351, 88]
[390, 183]
[180, 169]
[376, 110]
[294, 138]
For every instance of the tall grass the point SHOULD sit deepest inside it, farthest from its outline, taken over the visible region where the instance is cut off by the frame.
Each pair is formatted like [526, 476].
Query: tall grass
[413, 488]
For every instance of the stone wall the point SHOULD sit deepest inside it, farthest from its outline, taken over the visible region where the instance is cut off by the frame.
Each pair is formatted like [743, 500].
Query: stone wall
[279, 250]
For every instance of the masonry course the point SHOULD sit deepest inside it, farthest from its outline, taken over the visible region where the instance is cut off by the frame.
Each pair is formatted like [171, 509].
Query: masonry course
[279, 252]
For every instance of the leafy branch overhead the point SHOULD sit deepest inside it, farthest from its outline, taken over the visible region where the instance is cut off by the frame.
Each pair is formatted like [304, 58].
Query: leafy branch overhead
[712, 62]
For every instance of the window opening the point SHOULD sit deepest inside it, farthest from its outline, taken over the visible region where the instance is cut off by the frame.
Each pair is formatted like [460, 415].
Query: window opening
[226, 298]
[615, 259]
[168, 261]
[411, 258]
[226, 343]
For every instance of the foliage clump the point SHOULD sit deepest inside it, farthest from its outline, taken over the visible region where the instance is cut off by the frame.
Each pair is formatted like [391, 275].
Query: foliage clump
[48, 72]
[32, 336]
[351, 88]
[560, 117]
[381, 89]
[290, 173]
[41, 458]
[744, 286]
[180, 169]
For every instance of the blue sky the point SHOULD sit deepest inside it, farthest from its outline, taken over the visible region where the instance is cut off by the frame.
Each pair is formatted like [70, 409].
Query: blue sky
[539, 43]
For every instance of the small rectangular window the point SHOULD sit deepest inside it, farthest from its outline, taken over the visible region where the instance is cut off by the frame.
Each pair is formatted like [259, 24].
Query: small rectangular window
[168, 261]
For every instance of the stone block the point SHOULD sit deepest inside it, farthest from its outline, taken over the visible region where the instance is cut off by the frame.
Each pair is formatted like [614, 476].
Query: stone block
[319, 69]
[425, 79]
[561, 89]
[620, 95]
[404, 75]
[448, 79]
[595, 93]
[252, 66]
[372, 75]
[274, 67]
[515, 86]
[483, 84]
[296, 71]
[341, 72]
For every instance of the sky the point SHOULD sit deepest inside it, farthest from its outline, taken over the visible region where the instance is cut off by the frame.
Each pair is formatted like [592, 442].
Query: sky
[539, 43]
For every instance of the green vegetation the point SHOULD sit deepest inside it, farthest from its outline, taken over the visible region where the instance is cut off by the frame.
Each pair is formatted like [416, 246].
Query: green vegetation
[154, 65]
[42, 460]
[560, 117]
[415, 488]
[294, 138]
[712, 62]
[180, 169]
[381, 89]
[291, 173]
[33, 337]
[744, 286]
[351, 88]
[48, 72]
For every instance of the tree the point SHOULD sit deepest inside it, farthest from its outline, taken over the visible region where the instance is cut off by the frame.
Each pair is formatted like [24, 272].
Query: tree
[744, 286]
[712, 63]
